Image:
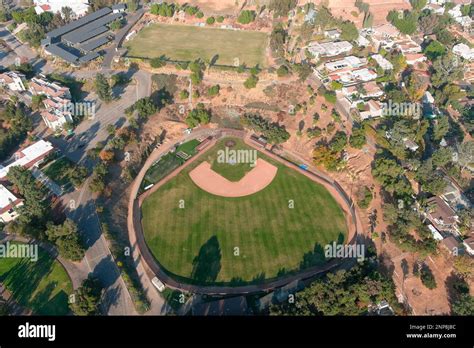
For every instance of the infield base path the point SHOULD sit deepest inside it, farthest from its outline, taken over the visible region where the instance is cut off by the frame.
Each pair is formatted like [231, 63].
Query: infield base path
[255, 180]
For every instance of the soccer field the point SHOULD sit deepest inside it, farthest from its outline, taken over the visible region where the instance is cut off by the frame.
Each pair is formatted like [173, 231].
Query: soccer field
[187, 43]
[219, 240]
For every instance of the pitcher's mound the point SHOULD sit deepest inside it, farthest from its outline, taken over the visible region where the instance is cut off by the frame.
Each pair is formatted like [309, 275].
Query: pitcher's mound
[257, 179]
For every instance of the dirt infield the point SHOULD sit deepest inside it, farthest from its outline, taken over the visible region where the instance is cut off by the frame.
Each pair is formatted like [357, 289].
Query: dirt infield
[256, 180]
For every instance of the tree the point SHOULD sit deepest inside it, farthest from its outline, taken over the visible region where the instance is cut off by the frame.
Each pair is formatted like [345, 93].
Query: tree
[417, 5]
[251, 82]
[407, 24]
[184, 94]
[116, 24]
[273, 132]
[87, 297]
[463, 306]
[440, 128]
[198, 116]
[246, 17]
[106, 155]
[210, 20]
[283, 71]
[66, 238]
[447, 68]
[281, 8]
[35, 208]
[466, 154]
[442, 156]
[341, 293]
[213, 91]
[464, 266]
[278, 38]
[364, 197]
[428, 23]
[102, 88]
[158, 62]
[349, 31]
[434, 50]
[358, 139]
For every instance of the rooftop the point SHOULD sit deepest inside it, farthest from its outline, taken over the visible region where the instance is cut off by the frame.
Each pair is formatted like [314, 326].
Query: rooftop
[6, 198]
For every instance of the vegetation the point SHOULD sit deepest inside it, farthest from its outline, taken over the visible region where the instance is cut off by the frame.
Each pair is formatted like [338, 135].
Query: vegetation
[251, 82]
[187, 43]
[356, 290]
[102, 88]
[246, 17]
[14, 115]
[42, 286]
[197, 116]
[87, 297]
[273, 132]
[66, 238]
[208, 257]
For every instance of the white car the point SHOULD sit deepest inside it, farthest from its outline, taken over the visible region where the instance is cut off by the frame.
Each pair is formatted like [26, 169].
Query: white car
[188, 131]
[158, 284]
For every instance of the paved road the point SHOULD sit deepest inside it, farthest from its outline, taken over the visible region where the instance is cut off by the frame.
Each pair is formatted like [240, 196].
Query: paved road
[20, 50]
[82, 209]
[111, 51]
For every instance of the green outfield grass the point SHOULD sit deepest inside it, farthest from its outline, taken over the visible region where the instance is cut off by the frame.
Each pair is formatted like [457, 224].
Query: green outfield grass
[198, 242]
[42, 286]
[187, 43]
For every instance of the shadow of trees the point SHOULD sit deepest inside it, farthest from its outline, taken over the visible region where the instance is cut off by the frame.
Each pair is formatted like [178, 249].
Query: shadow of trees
[207, 264]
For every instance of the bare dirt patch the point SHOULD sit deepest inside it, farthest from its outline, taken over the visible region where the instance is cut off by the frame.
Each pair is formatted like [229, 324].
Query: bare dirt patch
[256, 180]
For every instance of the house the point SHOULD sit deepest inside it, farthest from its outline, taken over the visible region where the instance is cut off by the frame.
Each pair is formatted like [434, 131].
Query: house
[79, 7]
[56, 119]
[435, 233]
[410, 144]
[119, 8]
[365, 90]
[8, 204]
[28, 157]
[332, 34]
[408, 46]
[469, 245]
[442, 216]
[350, 62]
[454, 197]
[451, 244]
[384, 36]
[414, 58]
[13, 81]
[362, 41]
[464, 51]
[382, 62]
[373, 109]
[435, 8]
[40, 86]
[329, 49]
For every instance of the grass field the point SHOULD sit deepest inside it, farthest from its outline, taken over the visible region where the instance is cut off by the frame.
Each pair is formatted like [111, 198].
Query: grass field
[187, 43]
[43, 286]
[198, 242]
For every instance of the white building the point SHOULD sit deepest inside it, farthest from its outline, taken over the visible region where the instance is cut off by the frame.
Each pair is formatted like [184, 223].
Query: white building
[13, 81]
[332, 34]
[463, 51]
[382, 62]
[8, 204]
[469, 245]
[350, 62]
[78, 7]
[373, 109]
[28, 157]
[329, 49]
[56, 119]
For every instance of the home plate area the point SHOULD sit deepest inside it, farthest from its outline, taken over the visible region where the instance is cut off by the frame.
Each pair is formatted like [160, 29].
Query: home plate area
[255, 180]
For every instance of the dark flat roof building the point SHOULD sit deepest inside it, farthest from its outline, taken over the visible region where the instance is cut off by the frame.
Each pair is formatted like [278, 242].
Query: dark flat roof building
[75, 41]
